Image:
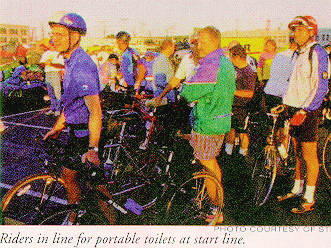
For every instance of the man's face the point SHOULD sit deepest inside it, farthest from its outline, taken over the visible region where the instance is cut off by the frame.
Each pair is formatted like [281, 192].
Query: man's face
[301, 35]
[121, 45]
[172, 48]
[113, 61]
[60, 38]
[270, 47]
[205, 44]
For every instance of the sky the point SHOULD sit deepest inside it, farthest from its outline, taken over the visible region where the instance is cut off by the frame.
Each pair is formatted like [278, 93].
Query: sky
[166, 17]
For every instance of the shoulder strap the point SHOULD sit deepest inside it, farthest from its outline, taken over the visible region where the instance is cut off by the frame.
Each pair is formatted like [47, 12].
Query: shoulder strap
[310, 57]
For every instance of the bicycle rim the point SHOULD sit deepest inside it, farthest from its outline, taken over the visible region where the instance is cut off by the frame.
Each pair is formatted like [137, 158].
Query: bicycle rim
[151, 173]
[264, 175]
[32, 197]
[327, 157]
[190, 204]
[81, 217]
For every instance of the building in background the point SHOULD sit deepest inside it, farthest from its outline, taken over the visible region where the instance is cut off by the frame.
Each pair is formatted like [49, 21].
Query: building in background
[14, 34]
[324, 36]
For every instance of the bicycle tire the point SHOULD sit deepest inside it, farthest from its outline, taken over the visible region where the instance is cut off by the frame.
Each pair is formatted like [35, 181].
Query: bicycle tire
[84, 217]
[326, 161]
[190, 204]
[264, 175]
[150, 173]
[31, 198]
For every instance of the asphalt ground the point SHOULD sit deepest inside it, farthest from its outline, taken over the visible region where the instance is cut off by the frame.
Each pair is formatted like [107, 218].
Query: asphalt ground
[18, 161]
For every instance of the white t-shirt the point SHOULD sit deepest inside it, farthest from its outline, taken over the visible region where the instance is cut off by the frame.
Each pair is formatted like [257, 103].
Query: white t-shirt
[186, 68]
[102, 57]
[54, 57]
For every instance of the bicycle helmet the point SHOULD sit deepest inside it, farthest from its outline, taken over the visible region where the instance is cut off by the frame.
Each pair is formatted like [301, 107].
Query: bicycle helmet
[71, 21]
[124, 36]
[306, 21]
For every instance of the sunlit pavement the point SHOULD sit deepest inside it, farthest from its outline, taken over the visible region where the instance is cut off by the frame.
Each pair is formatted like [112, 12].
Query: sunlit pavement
[19, 161]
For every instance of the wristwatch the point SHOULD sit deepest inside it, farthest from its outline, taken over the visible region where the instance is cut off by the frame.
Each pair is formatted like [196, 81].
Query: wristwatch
[94, 148]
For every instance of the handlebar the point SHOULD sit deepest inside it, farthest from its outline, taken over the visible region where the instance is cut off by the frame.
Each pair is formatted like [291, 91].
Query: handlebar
[278, 109]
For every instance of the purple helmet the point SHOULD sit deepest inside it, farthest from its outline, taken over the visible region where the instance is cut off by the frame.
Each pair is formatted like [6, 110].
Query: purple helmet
[71, 21]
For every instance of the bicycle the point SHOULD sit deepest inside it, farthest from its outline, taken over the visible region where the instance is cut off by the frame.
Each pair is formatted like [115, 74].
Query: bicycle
[326, 155]
[190, 204]
[269, 162]
[40, 199]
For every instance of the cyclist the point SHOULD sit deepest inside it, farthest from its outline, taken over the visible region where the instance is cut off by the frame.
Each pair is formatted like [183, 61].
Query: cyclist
[212, 87]
[185, 70]
[246, 80]
[307, 88]
[81, 104]
[133, 71]
[163, 69]
[280, 73]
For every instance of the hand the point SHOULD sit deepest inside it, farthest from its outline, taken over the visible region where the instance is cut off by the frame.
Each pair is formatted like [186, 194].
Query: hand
[158, 99]
[91, 156]
[54, 133]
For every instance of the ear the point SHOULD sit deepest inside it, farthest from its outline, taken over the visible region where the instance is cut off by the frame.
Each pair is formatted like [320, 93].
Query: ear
[75, 37]
[311, 33]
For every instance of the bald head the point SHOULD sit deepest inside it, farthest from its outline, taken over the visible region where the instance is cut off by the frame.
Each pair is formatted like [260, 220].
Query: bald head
[209, 39]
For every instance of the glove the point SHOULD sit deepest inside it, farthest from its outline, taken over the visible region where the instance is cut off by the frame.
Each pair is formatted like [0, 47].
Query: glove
[298, 118]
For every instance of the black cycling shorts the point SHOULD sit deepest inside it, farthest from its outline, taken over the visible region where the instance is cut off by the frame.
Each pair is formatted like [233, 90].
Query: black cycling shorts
[75, 148]
[308, 130]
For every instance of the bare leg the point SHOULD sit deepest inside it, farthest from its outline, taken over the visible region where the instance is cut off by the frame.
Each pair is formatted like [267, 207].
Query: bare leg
[309, 153]
[213, 166]
[298, 159]
[107, 211]
[73, 189]
[244, 140]
[231, 136]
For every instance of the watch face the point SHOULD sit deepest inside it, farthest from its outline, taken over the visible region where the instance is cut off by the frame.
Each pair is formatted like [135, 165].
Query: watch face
[94, 148]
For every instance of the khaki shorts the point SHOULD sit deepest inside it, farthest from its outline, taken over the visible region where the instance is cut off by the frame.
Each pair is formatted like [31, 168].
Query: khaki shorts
[206, 147]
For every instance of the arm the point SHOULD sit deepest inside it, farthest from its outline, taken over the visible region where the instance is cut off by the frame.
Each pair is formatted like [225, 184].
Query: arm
[244, 93]
[94, 126]
[58, 127]
[141, 70]
[174, 82]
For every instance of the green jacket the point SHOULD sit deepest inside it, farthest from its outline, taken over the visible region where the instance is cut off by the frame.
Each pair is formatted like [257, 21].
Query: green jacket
[211, 114]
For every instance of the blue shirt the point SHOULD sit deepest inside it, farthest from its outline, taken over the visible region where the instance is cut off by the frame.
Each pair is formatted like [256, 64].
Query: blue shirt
[280, 73]
[163, 72]
[127, 67]
[81, 79]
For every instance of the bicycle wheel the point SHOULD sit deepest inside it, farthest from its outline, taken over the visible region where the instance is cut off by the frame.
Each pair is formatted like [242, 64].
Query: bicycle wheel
[32, 197]
[327, 156]
[83, 217]
[190, 204]
[264, 175]
[146, 180]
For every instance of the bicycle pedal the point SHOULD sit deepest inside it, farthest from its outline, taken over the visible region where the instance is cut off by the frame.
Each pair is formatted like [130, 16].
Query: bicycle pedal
[133, 206]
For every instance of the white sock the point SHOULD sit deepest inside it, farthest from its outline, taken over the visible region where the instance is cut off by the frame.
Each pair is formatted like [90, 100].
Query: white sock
[228, 148]
[298, 186]
[309, 193]
[243, 151]
[282, 151]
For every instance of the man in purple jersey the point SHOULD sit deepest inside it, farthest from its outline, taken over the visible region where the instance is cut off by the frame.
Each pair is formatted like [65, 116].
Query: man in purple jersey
[80, 99]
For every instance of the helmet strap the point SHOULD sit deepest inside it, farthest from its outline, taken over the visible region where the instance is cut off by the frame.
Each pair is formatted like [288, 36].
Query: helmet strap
[71, 47]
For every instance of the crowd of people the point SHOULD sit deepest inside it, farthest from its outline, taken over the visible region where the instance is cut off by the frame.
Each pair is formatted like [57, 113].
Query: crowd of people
[220, 85]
